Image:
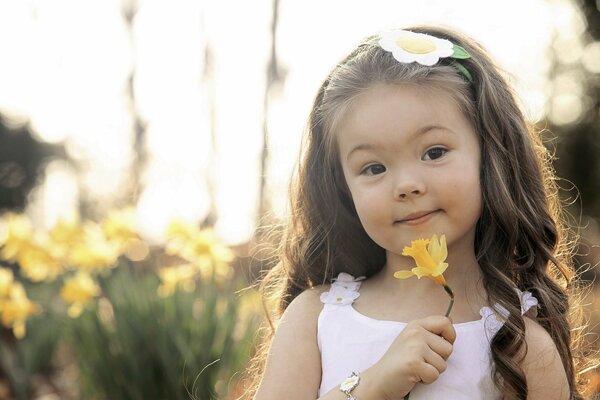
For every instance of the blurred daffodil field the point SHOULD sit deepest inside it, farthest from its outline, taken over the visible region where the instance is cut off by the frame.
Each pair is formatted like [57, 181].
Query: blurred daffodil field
[91, 310]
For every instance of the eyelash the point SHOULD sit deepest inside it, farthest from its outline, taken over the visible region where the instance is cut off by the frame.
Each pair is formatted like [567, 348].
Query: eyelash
[368, 169]
[437, 148]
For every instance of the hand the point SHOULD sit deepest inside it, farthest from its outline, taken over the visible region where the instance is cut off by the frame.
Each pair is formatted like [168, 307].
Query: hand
[418, 354]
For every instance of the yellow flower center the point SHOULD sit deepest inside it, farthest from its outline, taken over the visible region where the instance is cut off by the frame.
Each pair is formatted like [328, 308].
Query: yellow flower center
[416, 45]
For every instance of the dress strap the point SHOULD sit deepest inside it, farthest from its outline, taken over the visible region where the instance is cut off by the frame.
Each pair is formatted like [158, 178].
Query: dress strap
[494, 318]
[343, 290]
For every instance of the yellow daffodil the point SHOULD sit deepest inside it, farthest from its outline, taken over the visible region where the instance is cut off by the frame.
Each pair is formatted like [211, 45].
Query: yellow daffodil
[200, 247]
[77, 291]
[192, 243]
[6, 281]
[173, 277]
[120, 227]
[430, 259]
[64, 235]
[16, 232]
[430, 262]
[94, 252]
[16, 308]
[38, 263]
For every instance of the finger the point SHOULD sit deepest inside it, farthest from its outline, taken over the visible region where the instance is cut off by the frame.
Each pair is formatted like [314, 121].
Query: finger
[439, 325]
[434, 359]
[427, 373]
[440, 345]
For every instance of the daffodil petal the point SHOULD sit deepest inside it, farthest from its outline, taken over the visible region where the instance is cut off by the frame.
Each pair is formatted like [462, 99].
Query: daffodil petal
[442, 267]
[437, 248]
[403, 274]
[421, 272]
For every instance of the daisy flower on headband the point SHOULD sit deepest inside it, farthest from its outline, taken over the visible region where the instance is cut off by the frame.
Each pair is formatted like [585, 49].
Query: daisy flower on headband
[408, 47]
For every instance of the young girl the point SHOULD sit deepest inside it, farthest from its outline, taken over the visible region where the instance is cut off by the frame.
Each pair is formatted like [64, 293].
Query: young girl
[416, 133]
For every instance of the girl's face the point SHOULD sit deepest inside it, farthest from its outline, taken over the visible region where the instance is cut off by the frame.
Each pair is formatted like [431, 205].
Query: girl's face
[406, 152]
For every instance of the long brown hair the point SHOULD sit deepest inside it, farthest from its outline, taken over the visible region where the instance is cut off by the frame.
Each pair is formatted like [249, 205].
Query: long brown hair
[521, 239]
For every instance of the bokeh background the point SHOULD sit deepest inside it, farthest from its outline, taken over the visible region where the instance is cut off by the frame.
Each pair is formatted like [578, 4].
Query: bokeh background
[145, 144]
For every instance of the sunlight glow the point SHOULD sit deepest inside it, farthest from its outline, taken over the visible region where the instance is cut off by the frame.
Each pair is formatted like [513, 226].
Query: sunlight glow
[69, 72]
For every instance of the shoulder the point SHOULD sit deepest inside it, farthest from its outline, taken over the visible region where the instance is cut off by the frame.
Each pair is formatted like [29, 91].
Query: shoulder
[294, 348]
[306, 306]
[298, 324]
[542, 365]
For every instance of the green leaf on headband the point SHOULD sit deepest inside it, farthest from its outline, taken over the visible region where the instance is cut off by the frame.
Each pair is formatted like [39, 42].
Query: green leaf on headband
[461, 68]
[460, 53]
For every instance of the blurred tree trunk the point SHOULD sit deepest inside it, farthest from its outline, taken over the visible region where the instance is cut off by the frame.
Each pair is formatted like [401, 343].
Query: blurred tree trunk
[140, 153]
[275, 77]
[209, 83]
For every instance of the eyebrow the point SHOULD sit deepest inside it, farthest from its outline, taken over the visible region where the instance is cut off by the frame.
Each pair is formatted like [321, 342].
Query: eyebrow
[423, 130]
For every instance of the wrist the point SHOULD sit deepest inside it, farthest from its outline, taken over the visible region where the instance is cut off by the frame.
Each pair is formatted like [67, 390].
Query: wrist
[368, 388]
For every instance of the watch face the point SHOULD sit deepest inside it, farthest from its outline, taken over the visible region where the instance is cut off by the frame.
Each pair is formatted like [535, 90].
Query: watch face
[349, 383]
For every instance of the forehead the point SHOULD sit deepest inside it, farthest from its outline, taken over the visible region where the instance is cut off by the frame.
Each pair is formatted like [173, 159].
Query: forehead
[384, 111]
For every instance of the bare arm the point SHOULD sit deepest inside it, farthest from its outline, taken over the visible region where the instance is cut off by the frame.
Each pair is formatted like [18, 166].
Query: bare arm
[544, 371]
[293, 369]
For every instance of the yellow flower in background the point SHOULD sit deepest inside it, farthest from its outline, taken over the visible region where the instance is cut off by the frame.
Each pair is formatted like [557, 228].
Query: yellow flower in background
[173, 277]
[6, 281]
[77, 291]
[16, 233]
[93, 253]
[38, 263]
[200, 247]
[16, 308]
[191, 243]
[63, 235]
[430, 259]
[120, 227]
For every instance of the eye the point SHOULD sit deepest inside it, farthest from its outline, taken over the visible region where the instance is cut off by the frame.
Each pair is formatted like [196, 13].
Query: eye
[435, 153]
[374, 169]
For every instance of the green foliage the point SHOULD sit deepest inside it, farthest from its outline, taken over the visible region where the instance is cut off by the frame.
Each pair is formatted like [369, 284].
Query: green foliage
[137, 345]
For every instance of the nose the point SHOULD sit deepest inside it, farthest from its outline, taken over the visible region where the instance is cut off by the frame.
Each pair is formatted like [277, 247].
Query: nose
[408, 186]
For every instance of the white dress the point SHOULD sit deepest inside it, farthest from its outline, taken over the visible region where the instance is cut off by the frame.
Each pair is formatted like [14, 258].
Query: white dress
[350, 341]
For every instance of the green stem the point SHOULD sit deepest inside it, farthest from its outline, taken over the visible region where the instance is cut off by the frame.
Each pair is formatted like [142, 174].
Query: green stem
[451, 294]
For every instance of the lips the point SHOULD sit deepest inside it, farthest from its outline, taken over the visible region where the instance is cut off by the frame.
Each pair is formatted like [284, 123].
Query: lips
[417, 215]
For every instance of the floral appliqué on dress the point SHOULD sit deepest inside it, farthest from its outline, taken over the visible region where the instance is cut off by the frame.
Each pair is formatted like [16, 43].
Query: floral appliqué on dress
[343, 291]
[496, 317]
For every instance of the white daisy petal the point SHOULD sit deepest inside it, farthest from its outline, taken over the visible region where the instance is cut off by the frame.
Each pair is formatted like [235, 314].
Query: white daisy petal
[409, 47]
[427, 59]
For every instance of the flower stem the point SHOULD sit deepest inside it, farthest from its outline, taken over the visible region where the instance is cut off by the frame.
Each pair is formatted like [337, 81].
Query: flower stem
[451, 294]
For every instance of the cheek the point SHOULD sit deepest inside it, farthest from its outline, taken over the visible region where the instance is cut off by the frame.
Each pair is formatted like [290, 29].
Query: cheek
[366, 202]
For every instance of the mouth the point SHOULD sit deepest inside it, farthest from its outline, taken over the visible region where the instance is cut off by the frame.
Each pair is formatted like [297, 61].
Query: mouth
[418, 218]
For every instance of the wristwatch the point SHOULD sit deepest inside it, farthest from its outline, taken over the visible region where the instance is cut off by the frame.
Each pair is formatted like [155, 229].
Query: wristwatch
[349, 384]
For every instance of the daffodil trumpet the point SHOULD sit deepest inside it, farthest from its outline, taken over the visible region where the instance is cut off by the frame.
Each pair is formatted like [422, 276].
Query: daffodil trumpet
[430, 256]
